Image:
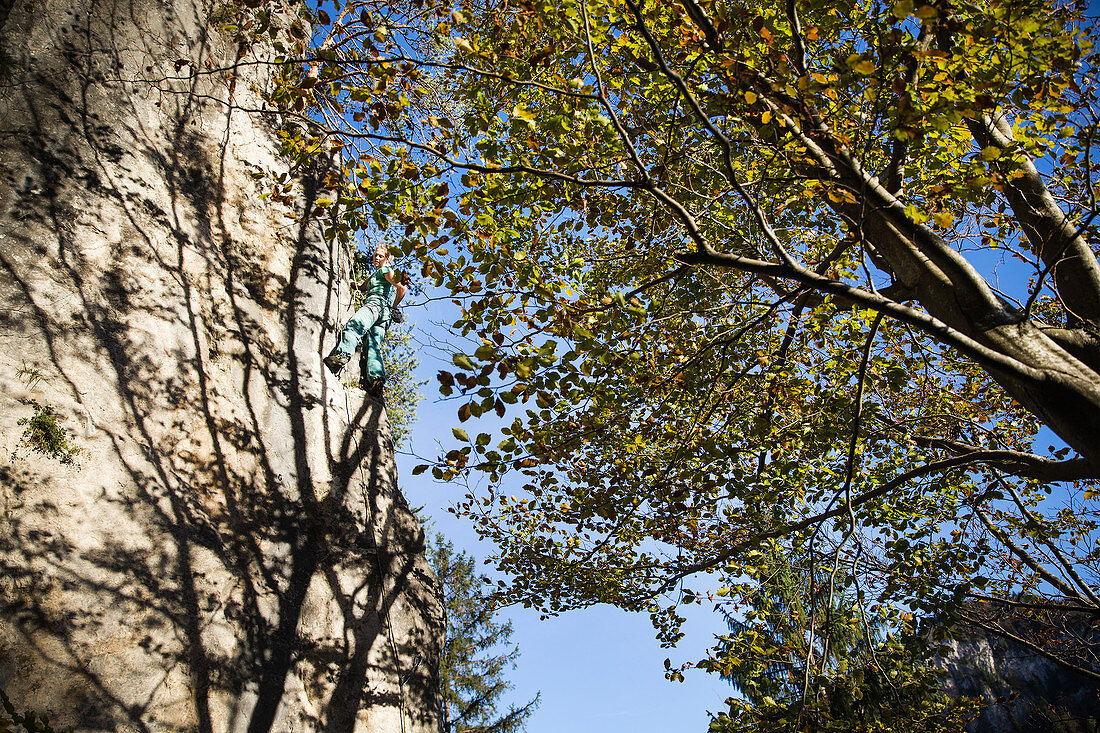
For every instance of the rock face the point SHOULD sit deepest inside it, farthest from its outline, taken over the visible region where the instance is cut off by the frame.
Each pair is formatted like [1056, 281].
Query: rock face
[230, 551]
[1022, 691]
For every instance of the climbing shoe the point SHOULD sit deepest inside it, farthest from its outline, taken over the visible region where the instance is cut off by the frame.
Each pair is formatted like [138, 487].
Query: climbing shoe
[336, 363]
[374, 386]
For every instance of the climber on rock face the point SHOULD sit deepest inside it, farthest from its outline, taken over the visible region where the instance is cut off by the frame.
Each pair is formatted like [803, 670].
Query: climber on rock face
[371, 322]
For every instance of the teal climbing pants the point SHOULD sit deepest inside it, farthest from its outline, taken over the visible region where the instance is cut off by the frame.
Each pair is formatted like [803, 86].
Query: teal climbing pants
[369, 325]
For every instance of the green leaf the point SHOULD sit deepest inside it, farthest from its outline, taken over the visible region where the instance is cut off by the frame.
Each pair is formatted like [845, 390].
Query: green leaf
[861, 65]
[902, 9]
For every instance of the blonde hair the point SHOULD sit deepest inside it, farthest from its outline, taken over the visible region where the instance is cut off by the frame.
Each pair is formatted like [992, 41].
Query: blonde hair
[389, 254]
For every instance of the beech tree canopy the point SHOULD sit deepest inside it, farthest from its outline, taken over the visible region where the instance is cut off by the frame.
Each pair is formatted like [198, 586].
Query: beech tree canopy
[745, 279]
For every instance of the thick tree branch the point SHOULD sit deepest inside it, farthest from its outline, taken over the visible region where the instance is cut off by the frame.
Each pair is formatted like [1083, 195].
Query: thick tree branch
[949, 287]
[701, 19]
[1015, 463]
[873, 301]
[1082, 343]
[1051, 232]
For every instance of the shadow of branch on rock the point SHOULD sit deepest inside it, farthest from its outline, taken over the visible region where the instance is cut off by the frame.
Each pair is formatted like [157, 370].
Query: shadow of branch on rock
[234, 556]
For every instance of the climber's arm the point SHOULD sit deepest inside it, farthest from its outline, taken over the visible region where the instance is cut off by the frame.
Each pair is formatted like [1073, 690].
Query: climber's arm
[397, 279]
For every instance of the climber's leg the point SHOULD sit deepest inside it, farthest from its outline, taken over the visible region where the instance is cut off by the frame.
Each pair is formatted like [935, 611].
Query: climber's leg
[373, 368]
[350, 336]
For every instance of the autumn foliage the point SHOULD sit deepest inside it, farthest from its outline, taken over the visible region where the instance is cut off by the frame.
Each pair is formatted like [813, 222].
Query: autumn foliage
[744, 280]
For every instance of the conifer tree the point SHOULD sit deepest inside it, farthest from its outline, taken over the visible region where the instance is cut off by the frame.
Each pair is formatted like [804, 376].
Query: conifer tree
[477, 651]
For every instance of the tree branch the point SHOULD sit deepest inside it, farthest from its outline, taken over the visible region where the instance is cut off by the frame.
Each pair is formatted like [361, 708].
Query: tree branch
[797, 43]
[1052, 606]
[873, 301]
[701, 19]
[1083, 344]
[1050, 231]
[1015, 463]
[1045, 539]
[886, 488]
[1024, 557]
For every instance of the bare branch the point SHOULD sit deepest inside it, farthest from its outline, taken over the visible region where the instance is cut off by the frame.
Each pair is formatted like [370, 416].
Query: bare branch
[1026, 558]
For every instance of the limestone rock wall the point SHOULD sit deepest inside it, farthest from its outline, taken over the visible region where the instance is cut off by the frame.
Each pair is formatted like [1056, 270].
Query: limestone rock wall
[1022, 692]
[231, 552]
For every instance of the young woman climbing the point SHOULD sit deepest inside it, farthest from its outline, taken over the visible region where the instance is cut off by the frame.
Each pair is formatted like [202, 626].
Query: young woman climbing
[371, 321]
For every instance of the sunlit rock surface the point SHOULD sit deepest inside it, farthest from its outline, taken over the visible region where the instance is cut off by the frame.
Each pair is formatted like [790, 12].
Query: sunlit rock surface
[227, 555]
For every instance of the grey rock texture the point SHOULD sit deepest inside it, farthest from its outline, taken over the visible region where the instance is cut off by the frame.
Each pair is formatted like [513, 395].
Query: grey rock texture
[232, 552]
[1022, 691]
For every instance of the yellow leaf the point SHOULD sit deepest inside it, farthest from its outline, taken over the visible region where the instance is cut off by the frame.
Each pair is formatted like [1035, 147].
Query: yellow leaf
[864, 67]
[520, 112]
[926, 12]
[766, 117]
[902, 8]
[750, 97]
[460, 434]
[943, 219]
[991, 152]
